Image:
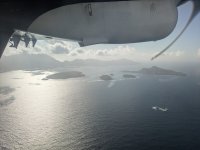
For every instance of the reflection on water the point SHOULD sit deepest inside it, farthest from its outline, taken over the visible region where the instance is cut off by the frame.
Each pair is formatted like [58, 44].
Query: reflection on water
[79, 114]
[5, 97]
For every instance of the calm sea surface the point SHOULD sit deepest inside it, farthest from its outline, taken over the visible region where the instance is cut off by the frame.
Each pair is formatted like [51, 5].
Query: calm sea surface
[86, 113]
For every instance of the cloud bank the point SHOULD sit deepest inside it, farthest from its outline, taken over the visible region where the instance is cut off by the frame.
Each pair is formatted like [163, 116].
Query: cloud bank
[65, 50]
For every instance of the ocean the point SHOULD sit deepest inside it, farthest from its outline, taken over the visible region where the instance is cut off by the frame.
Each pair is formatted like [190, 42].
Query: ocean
[88, 113]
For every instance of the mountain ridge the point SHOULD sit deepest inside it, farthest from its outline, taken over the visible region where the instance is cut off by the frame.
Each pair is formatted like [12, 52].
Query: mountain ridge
[44, 62]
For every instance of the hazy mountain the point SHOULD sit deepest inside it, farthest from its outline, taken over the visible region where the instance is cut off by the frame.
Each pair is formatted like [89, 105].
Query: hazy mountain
[45, 62]
[94, 62]
[28, 62]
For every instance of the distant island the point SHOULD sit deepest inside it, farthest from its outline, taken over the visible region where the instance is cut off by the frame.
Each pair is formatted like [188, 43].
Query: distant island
[65, 75]
[129, 76]
[106, 77]
[157, 71]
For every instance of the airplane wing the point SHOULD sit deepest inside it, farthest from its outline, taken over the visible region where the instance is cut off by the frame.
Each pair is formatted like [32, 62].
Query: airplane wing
[39, 36]
[85, 23]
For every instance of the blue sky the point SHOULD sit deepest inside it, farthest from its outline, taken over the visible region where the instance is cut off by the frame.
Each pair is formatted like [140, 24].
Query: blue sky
[185, 49]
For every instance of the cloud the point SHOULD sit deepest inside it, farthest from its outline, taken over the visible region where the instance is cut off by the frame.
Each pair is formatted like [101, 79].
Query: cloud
[73, 54]
[172, 55]
[111, 52]
[64, 50]
[59, 49]
[177, 53]
[102, 53]
[115, 52]
[198, 52]
[80, 51]
[71, 50]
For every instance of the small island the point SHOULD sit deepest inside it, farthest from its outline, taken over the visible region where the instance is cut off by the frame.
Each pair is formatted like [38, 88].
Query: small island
[129, 76]
[65, 75]
[157, 71]
[106, 77]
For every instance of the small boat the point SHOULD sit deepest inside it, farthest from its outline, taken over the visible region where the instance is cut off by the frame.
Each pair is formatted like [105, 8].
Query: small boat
[159, 108]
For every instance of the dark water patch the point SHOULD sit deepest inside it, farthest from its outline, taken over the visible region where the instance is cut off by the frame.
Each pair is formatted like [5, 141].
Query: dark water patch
[3, 148]
[7, 101]
[36, 84]
[45, 79]
[6, 90]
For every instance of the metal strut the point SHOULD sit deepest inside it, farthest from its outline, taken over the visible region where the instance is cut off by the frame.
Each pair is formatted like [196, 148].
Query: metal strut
[90, 9]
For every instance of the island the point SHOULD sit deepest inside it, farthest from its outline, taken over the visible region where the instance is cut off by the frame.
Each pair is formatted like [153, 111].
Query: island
[157, 71]
[129, 76]
[106, 77]
[65, 75]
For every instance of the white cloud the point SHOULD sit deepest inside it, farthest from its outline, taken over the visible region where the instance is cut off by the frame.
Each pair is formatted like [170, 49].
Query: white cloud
[63, 50]
[80, 51]
[198, 52]
[177, 53]
[73, 54]
[59, 49]
[111, 52]
[124, 51]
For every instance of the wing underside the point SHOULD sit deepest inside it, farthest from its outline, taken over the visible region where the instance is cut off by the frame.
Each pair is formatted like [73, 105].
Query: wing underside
[29, 38]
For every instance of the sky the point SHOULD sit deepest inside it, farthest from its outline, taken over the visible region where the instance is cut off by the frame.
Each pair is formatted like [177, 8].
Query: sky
[187, 48]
